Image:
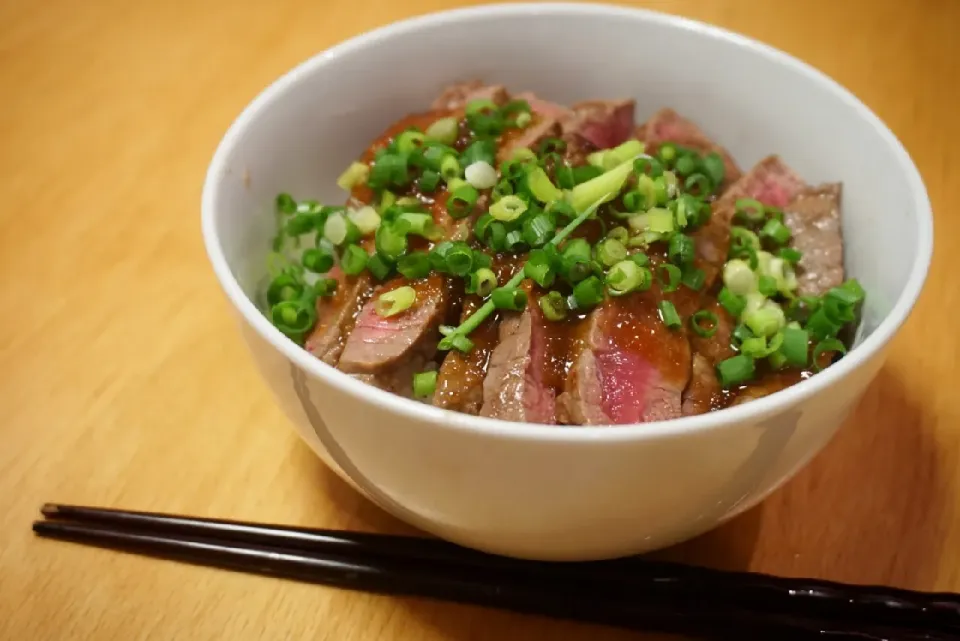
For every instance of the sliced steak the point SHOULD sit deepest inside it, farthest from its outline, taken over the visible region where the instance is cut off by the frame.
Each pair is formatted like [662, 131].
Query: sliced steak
[337, 314]
[456, 96]
[376, 344]
[461, 376]
[668, 126]
[703, 388]
[514, 388]
[771, 182]
[601, 123]
[605, 123]
[707, 352]
[460, 379]
[630, 367]
[540, 128]
[767, 385]
[814, 221]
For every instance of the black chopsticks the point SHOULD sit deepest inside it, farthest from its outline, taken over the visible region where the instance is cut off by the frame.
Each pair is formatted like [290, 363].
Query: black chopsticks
[632, 593]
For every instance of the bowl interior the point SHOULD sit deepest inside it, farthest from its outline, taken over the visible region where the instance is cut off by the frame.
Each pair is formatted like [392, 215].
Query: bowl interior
[300, 134]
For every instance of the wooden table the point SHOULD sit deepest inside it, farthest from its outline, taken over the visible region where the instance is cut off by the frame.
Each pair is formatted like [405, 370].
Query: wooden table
[124, 381]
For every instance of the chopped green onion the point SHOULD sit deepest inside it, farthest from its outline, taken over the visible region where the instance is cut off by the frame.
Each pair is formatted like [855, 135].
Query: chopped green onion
[449, 170]
[339, 229]
[776, 231]
[795, 346]
[588, 292]
[640, 259]
[522, 120]
[790, 254]
[294, 318]
[481, 175]
[508, 208]
[765, 321]
[750, 209]
[626, 276]
[300, 223]
[849, 293]
[480, 150]
[680, 249]
[821, 326]
[389, 170]
[514, 242]
[740, 333]
[459, 259]
[462, 200]
[424, 384]
[444, 130]
[366, 219]
[496, 236]
[636, 201]
[735, 370]
[286, 204]
[757, 346]
[619, 234]
[391, 244]
[824, 347]
[379, 267]
[734, 304]
[669, 277]
[575, 260]
[417, 224]
[742, 237]
[714, 167]
[767, 285]
[669, 315]
[429, 181]
[409, 201]
[704, 323]
[523, 154]
[693, 278]
[564, 177]
[607, 159]
[482, 282]
[395, 301]
[648, 166]
[610, 252]
[410, 140]
[284, 287]
[606, 185]
[318, 260]
[325, 287]
[739, 278]
[510, 298]
[698, 184]
[481, 259]
[354, 175]
[353, 260]
[667, 153]
[414, 265]
[584, 173]
[655, 220]
[686, 164]
[553, 305]
[540, 186]
[537, 231]
[479, 105]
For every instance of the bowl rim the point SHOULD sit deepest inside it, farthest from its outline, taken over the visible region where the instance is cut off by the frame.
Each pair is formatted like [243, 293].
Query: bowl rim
[447, 419]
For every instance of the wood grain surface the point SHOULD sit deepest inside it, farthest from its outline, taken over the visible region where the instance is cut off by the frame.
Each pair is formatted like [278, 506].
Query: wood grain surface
[124, 381]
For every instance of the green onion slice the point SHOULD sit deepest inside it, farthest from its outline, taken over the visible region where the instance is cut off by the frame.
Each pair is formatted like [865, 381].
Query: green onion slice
[829, 345]
[735, 370]
[424, 384]
[669, 315]
[669, 277]
[395, 301]
[704, 323]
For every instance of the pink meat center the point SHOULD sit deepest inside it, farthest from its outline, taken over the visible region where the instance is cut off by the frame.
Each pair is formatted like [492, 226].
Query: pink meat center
[625, 382]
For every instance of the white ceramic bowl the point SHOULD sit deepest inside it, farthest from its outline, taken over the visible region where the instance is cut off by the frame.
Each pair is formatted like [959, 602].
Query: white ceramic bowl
[557, 492]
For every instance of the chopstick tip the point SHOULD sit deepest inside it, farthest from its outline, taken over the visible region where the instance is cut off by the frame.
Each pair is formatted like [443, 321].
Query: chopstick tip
[50, 509]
